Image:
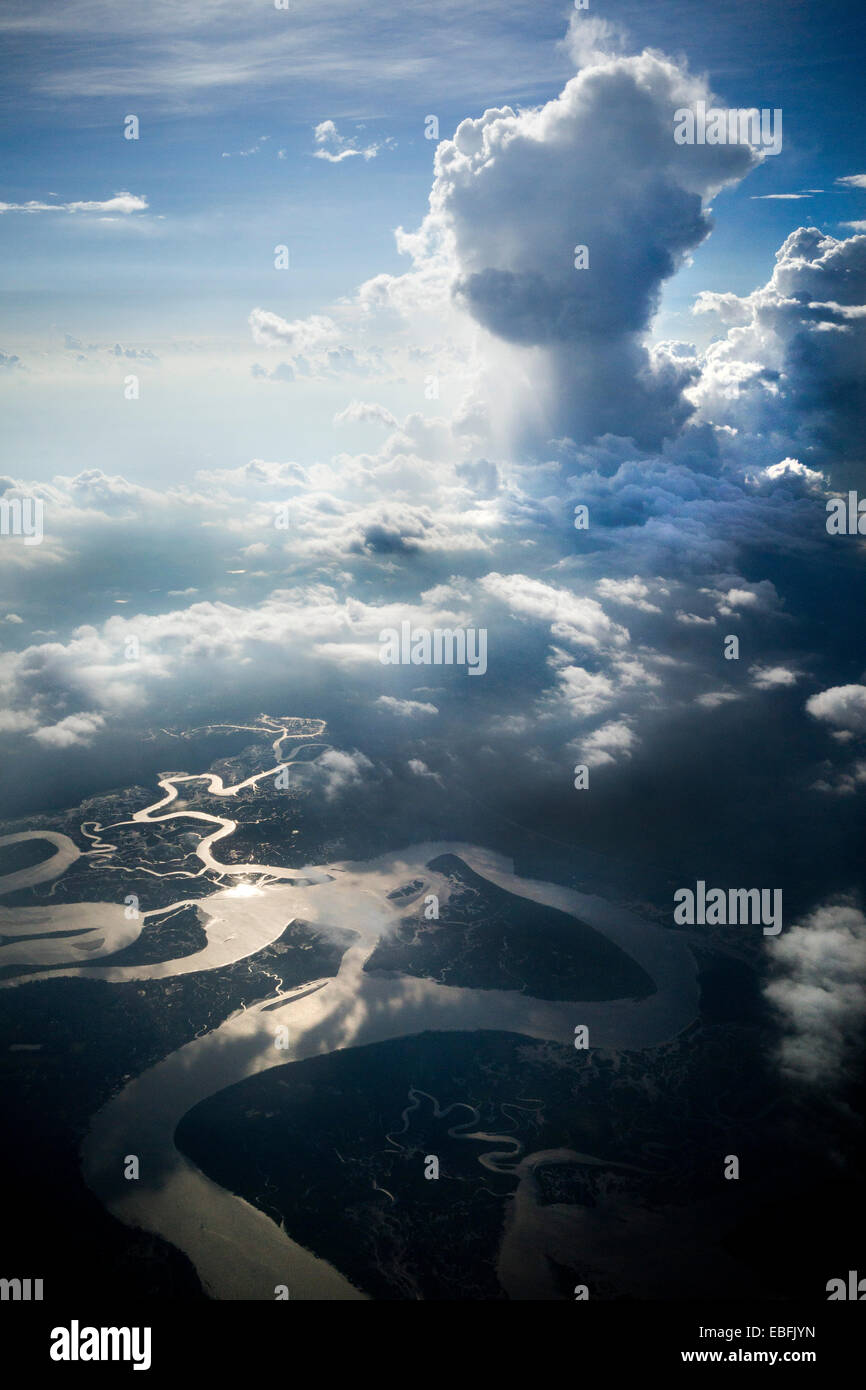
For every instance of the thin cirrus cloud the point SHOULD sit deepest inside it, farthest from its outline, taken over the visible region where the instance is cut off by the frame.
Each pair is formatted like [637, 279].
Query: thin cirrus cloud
[179, 53]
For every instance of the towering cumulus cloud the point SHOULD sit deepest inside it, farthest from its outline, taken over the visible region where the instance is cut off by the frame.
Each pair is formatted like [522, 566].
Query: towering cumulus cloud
[515, 194]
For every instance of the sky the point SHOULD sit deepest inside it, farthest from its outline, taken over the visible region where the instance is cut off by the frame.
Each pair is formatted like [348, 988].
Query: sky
[284, 300]
[228, 96]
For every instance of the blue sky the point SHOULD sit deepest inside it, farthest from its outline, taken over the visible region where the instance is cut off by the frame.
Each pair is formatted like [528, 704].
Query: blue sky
[206, 81]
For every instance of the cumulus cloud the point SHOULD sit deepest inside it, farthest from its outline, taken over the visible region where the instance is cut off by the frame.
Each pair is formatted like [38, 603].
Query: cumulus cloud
[341, 770]
[713, 699]
[842, 782]
[694, 620]
[418, 768]
[793, 468]
[580, 692]
[772, 677]
[16, 721]
[366, 412]
[334, 147]
[789, 373]
[76, 730]
[634, 593]
[760, 597]
[591, 39]
[584, 169]
[258, 473]
[605, 745]
[572, 617]
[315, 347]
[843, 706]
[818, 989]
[408, 709]
[131, 664]
[303, 337]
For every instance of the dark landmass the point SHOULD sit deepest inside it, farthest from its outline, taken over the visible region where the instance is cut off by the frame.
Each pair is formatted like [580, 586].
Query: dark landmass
[169, 936]
[488, 938]
[93, 1037]
[24, 855]
[349, 1133]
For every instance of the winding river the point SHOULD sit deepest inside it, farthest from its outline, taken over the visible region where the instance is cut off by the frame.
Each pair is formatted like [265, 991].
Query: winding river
[239, 1252]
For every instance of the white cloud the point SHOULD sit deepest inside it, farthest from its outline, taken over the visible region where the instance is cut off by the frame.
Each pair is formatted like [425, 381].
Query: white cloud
[694, 620]
[712, 699]
[573, 618]
[590, 39]
[420, 769]
[513, 725]
[605, 745]
[199, 646]
[366, 412]
[122, 203]
[789, 370]
[818, 989]
[341, 770]
[300, 338]
[75, 731]
[576, 336]
[335, 147]
[634, 593]
[792, 468]
[843, 706]
[408, 709]
[772, 677]
[756, 598]
[583, 693]
[253, 149]
[15, 721]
